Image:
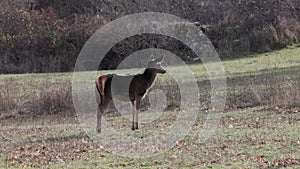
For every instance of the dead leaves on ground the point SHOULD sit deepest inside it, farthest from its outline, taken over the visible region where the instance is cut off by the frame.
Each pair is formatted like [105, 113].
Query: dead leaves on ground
[39, 154]
[277, 162]
[37, 146]
[283, 109]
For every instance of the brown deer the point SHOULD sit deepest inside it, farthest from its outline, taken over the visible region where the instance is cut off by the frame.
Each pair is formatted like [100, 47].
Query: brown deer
[131, 88]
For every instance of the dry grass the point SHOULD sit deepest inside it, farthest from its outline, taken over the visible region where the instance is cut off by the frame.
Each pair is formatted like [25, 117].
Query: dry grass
[270, 89]
[34, 99]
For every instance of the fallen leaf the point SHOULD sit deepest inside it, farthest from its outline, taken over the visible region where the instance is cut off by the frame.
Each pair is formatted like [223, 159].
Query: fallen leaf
[174, 156]
[258, 159]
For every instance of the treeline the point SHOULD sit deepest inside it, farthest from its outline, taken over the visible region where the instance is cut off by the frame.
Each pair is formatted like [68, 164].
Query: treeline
[47, 35]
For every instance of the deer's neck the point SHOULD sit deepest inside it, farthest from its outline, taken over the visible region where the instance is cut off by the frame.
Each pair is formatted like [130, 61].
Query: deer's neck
[150, 76]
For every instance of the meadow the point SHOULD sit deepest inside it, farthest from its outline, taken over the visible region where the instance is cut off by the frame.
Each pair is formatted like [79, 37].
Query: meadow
[259, 128]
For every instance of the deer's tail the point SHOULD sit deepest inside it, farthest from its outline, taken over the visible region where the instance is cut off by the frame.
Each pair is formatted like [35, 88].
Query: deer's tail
[97, 87]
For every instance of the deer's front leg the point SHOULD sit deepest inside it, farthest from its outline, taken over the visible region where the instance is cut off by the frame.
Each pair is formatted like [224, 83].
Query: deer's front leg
[137, 108]
[133, 104]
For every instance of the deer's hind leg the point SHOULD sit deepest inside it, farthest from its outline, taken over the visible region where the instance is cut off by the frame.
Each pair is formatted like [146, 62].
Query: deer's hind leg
[101, 108]
[101, 83]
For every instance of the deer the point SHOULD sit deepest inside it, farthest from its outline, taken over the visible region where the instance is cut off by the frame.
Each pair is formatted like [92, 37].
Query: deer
[127, 87]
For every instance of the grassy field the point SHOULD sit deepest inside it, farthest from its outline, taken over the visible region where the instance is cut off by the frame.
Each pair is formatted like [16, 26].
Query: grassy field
[259, 128]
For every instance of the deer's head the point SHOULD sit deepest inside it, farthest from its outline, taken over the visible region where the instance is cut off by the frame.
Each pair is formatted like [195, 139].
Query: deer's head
[155, 64]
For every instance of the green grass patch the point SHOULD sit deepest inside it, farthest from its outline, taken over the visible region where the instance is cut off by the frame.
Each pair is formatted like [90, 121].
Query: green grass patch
[272, 61]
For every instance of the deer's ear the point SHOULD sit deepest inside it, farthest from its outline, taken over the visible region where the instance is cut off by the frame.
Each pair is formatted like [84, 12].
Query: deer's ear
[152, 58]
[159, 59]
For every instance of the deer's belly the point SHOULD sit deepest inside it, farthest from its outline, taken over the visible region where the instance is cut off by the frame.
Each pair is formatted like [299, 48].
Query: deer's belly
[121, 97]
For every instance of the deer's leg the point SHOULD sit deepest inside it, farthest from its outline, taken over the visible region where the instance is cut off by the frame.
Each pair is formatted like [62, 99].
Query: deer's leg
[99, 115]
[103, 104]
[133, 104]
[137, 108]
